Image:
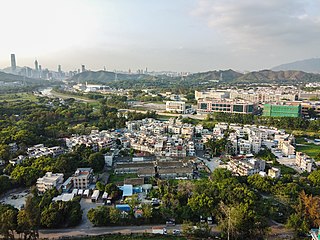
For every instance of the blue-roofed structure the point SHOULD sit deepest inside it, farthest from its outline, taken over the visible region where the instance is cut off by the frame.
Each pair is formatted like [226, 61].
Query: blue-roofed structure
[123, 207]
[127, 190]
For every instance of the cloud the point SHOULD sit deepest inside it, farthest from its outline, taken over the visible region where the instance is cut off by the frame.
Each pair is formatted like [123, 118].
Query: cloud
[258, 23]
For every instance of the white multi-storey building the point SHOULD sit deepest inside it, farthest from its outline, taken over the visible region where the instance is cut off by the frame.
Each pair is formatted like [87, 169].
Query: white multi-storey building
[176, 106]
[49, 181]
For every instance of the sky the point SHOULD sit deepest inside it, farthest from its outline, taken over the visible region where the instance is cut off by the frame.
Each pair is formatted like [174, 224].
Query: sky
[176, 35]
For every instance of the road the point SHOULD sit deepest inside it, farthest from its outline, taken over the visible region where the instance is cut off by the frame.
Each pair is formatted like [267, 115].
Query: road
[72, 232]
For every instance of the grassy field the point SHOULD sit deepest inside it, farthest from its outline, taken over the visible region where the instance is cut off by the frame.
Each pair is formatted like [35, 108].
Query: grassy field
[120, 177]
[311, 149]
[308, 148]
[79, 98]
[18, 97]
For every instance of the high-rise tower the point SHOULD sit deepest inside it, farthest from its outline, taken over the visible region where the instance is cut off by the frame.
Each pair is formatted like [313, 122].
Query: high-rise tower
[36, 65]
[13, 62]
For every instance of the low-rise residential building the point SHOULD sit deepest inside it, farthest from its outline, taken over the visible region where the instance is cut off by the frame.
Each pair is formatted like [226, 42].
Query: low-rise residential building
[246, 167]
[274, 172]
[96, 140]
[304, 162]
[82, 178]
[49, 181]
[286, 147]
[40, 150]
[17, 160]
[108, 159]
[168, 139]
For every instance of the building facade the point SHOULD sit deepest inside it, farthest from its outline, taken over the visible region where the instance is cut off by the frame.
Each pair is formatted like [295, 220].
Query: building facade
[208, 105]
[273, 110]
[176, 106]
[82, 178]
[49, 181]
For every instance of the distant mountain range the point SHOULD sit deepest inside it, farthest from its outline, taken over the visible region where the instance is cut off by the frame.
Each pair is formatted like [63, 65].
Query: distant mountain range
[225, 76]
[192, 80]
[8, 77]
[309, 65]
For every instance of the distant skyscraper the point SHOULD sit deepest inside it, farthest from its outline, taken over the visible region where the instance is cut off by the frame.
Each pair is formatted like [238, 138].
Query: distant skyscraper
[36, 66]
[13, 63]
[59, 68]
[83, 68]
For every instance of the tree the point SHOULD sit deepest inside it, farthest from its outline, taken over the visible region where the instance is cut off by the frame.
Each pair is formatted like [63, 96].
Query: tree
[113, 191]
[99, 216]
[8, 221]
[5, 184]
[307, 213]
[115, 215]
[25, 175]
[314, 178]
[187, 228]
[147, 210]
[29, 219]
[260, 183]
[219, 174]
[241, 222]
[51, 217]
[202, 204]
[133, 201]
[96, 161]
[100, 186]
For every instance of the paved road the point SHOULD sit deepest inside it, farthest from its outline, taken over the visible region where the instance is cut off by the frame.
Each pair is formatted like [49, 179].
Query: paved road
[56, 233]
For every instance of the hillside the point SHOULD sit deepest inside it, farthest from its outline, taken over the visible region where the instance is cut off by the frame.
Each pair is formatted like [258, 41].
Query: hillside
[225, 75]
[105, 77]
[278, 76]
[8, 77]
[193, 80]
[309, 65]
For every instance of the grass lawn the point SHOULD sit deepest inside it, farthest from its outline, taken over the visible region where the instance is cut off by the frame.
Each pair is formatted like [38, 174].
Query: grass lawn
[120, 177]
[66, 95]
[10, 97]
[311, 149]
[308, 148]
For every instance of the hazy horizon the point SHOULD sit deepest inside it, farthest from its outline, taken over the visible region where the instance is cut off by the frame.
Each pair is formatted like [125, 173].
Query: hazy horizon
[178, 35]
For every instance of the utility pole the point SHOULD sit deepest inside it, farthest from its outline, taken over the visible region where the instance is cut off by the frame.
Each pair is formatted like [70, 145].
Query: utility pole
[229, 224]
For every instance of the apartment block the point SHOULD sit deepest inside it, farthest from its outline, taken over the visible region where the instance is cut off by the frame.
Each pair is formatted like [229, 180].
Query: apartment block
[82, 178]
[304, 162]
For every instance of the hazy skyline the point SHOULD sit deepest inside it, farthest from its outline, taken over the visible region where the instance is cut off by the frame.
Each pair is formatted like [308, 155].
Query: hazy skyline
[178, 35]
